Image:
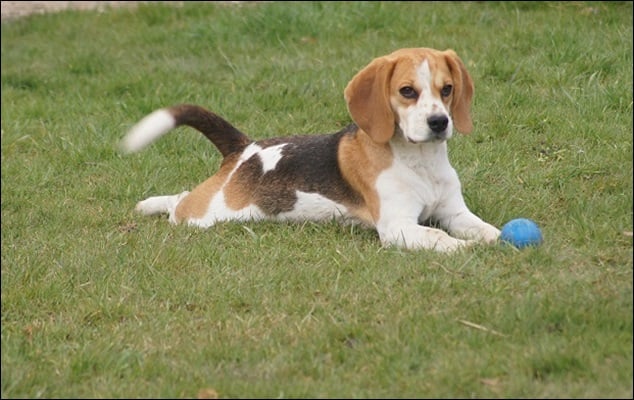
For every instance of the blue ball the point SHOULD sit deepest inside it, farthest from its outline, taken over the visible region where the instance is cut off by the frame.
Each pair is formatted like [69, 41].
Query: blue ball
[521, 232]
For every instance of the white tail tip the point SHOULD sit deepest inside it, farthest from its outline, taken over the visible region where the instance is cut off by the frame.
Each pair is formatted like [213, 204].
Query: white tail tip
[147, 130]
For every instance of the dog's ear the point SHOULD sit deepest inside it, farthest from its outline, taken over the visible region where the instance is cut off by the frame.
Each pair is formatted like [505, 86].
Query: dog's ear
[368, 99]
[463, 93]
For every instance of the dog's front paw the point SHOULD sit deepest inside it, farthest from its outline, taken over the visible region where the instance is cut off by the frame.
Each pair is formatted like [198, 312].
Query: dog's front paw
[489, 234]
[416, 237]
[448, 246]
[482, 233]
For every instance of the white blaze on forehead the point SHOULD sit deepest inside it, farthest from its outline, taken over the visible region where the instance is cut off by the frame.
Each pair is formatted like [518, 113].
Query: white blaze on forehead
[423, 73]
[431, 104]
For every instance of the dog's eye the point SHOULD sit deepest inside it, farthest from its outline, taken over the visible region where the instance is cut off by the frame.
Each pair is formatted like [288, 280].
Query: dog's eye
[446, 90]
[408, 92]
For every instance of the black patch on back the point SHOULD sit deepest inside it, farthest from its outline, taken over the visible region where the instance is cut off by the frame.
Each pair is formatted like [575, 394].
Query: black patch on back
[309, 164]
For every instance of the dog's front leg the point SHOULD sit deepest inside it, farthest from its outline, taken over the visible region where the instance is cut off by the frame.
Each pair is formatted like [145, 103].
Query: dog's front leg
[467, 225]
[416, 237]
[454, 216]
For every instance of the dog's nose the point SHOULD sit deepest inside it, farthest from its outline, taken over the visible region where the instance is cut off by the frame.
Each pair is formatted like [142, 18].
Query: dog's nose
[438, 122]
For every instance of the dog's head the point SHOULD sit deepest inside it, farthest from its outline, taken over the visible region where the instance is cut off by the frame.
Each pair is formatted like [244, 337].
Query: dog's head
[421, 92]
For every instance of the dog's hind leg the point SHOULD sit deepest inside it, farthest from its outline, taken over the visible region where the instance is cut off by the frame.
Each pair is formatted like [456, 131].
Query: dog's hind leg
[160, 205]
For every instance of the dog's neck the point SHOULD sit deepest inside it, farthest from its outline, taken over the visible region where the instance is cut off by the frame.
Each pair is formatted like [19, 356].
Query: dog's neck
[428, 158]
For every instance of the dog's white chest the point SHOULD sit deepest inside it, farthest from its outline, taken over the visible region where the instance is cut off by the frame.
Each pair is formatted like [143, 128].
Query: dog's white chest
[419, 179]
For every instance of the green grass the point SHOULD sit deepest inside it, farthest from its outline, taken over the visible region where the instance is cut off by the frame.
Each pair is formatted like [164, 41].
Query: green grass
[100, 302]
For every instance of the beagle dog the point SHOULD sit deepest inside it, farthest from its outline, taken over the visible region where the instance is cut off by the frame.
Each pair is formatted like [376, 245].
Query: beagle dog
[388, 170]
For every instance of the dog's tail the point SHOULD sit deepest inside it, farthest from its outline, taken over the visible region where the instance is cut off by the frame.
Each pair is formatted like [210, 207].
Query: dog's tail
[222, 134]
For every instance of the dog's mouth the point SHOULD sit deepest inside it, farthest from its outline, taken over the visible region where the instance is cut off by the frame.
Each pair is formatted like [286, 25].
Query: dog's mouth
[430, 138]
[438, 136]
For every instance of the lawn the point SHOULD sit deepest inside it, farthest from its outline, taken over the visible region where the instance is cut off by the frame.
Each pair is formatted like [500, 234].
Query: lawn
[98, 301]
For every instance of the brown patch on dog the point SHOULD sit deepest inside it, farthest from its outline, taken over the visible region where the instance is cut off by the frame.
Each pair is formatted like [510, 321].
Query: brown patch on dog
[361, 161]
[243, 183]
[196, 203]
[273, 192]
[462, 95]
[368, 99]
